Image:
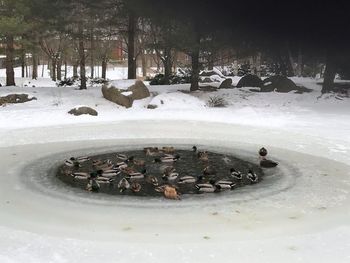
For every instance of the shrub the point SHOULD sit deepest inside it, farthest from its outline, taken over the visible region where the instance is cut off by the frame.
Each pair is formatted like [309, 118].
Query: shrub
[97, 81]
[181, 77]
[216, 102]
[68, 82]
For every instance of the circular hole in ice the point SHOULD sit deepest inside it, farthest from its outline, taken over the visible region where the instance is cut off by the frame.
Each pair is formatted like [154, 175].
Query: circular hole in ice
[40, 177]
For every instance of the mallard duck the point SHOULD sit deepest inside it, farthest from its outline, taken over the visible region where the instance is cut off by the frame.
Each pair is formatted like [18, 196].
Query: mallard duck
[236, 174]
[187, 180]
[170, 177]
[171, 193]
[72, 162]
[169, 150]
[111, 173]
[80, 176]
[262, 152]
[209, 170]
[169, 173]
[160, 189]
[122, 157]
[81, 159]
[137, 175]
[253, 177]
[97, 162]
[104, 180]
[206, 188]
[203, 155]
[123, 185]
[152, 180]
[93, 186]
[135, 187]
[103, 165]
[224, 185]
[151, 151]
[120, 165]
[137, 162]
[95, 174]
[167, 159]
[265, 163]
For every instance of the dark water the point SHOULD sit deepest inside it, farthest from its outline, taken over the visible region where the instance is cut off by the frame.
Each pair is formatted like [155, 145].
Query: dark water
[188, 165]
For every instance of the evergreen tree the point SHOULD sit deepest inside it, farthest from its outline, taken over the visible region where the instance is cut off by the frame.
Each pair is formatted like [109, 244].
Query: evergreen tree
[13, 25]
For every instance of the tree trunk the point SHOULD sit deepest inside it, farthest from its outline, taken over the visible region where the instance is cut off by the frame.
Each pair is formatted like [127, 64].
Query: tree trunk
[167, 65]
[92, 49]
[35, 65]
[23, 63]
[144, 64]
[329, 74]
[211, 61]
[291, 61]
[131, 46]
[195, 64]
[75, 70]
[104, 68]
[300, 63]
[53, 69]
[10, 73]
[59, 68]
[82, 57]
[65, 69]
[258, 64]
[43, 68]
[175, 61]
[282, 70]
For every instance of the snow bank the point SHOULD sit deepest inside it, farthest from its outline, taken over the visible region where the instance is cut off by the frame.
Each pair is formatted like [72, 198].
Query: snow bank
[177, 101]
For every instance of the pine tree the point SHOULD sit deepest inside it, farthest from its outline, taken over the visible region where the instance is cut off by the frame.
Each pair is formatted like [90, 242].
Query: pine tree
[13, 25]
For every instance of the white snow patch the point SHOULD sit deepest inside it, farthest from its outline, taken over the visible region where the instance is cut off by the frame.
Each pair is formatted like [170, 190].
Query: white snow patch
[177, 100]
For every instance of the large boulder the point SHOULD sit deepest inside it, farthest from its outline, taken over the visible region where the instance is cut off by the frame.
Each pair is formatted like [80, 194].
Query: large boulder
[205, 80]
[226, 84]
[139, 91]
[207, 73]
[15, 98]
[125, 96]
[250, 81]
[278, 84]
[83, 110]
[115, 95]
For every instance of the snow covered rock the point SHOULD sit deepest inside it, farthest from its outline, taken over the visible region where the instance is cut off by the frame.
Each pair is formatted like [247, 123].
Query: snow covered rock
[125, 96]
[115, 95]
[139, 91]
[15, 98]
[152, 107]
[226, 84]
[279, 84]
[250, 81]
[208, 73]
[205, 80]
[83, 110]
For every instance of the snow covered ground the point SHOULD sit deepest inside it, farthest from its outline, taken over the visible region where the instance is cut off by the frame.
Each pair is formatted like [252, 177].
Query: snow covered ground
[301, 216]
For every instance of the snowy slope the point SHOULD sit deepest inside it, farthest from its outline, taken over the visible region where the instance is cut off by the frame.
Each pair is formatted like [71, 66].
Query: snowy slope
[302, 216]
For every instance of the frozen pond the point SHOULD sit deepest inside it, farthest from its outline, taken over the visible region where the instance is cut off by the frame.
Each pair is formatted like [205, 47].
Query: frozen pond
[300, 208]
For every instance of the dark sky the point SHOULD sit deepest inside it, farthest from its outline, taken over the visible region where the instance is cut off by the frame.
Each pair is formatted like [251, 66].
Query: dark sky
[322, 22]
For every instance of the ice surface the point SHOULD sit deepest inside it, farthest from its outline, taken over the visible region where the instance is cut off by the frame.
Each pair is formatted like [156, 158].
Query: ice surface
[306, 209]
[303, 215]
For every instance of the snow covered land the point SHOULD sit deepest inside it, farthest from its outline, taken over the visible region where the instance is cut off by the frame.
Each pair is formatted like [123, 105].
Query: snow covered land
[300, 216]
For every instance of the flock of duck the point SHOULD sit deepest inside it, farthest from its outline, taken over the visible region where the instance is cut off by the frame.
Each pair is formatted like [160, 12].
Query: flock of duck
[128, 172]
